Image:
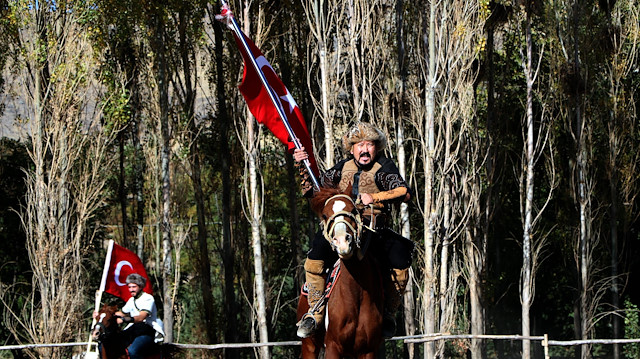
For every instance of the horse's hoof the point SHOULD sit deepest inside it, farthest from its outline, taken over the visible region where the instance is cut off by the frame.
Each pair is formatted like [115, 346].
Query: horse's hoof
[306, 327]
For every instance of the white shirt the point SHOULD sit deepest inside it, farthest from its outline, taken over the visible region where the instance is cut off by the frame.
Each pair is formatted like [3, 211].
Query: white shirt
[145, 303]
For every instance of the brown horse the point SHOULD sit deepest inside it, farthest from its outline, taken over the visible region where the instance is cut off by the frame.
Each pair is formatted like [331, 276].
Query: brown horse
[353, 320]
[113, 341]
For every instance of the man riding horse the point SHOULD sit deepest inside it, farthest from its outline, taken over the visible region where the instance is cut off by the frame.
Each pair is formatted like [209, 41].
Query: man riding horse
[377, 184]
[144, 327]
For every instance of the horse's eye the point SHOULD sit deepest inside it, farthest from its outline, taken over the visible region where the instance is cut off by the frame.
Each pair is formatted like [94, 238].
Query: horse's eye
[324, 216]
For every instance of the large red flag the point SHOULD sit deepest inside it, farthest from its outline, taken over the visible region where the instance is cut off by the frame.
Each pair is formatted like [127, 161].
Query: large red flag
[122, 263]
[262, 107]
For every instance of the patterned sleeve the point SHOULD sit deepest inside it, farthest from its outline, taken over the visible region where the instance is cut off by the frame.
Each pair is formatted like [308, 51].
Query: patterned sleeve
[389, 179]
[306, 184]
[331, 178]
[328, 179]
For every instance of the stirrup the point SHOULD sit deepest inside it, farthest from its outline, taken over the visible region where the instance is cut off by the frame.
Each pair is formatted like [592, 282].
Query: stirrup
[306, 326]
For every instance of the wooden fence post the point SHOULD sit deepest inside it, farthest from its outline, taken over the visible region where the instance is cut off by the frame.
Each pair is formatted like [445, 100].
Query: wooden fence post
[545, 344]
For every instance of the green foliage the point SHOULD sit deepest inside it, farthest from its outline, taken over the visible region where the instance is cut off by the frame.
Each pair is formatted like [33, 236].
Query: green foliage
[116, 107]
[631, 329]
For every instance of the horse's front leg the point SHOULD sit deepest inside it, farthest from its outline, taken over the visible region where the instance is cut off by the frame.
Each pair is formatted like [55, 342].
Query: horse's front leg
[367, 356]
[332, 351]
[311, 348]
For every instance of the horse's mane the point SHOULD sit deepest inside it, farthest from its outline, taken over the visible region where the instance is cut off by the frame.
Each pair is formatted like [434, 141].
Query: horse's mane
[109, 308]
[320, 197]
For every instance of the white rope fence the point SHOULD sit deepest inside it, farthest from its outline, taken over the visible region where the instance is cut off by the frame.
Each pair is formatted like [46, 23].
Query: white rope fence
[31, 346]
[414, 339]
[237, 345]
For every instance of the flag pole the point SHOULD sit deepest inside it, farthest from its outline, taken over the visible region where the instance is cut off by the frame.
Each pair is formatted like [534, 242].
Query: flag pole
[103, 283]
[236, 29]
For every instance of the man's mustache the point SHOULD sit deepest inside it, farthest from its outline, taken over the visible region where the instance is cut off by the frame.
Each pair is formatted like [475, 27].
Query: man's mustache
[365, 154]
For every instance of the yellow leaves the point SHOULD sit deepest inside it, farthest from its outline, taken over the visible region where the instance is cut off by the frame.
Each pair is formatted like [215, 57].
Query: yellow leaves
[481, 45]
[485, 10]
[459, 31]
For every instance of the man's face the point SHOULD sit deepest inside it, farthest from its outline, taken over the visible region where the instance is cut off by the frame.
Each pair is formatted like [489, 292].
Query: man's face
[134, 289]
[364, 152]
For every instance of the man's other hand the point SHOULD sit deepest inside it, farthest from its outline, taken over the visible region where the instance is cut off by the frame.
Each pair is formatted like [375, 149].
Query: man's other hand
[366, 198]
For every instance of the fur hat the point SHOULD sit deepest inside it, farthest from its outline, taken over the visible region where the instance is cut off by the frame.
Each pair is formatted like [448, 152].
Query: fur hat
[136, 278]
[363, 131]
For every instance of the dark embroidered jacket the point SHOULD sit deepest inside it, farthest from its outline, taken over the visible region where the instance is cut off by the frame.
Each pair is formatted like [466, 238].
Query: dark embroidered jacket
[382, 176]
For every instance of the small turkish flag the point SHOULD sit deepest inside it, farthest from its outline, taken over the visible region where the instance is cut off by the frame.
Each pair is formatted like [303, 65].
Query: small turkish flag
[122, 263]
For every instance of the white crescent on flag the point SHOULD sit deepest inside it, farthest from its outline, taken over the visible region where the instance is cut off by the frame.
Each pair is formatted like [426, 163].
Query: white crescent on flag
[118, 269]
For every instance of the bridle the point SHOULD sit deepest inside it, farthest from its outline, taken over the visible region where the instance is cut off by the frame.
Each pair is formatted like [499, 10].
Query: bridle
[102, 329]
[99, 329]
[341, 217]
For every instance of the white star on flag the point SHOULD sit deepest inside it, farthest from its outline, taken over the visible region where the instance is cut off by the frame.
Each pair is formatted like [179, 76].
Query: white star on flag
[291, 103]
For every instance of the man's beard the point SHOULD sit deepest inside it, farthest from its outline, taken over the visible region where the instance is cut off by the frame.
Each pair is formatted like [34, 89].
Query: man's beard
[365, 166]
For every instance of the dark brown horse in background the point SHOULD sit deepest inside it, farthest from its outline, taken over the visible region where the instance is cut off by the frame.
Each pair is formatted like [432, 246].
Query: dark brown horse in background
[353, 319]
[113, 341]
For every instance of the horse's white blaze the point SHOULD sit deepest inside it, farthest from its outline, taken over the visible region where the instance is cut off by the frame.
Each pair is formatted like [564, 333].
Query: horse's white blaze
[340, 237]
[96, 329]
[338, 206]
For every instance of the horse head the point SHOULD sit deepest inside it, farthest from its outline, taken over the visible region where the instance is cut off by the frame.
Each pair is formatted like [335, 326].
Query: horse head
[341, 220]
[106, 322]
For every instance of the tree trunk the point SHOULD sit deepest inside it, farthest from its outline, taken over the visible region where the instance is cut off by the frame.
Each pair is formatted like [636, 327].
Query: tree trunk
[526, 274]
[474, 261]
[318, 14]
[615, 290]
[255, 219]
[321, 22]
[122, 192]
[293, 188]
[138, 160]
[139, 186]
[188, 110]
[584, 260]
[477, 351]
[255, 205]
[224, 156]
[405, 224]
[429, 293]
[162, 78]
[405, 230]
